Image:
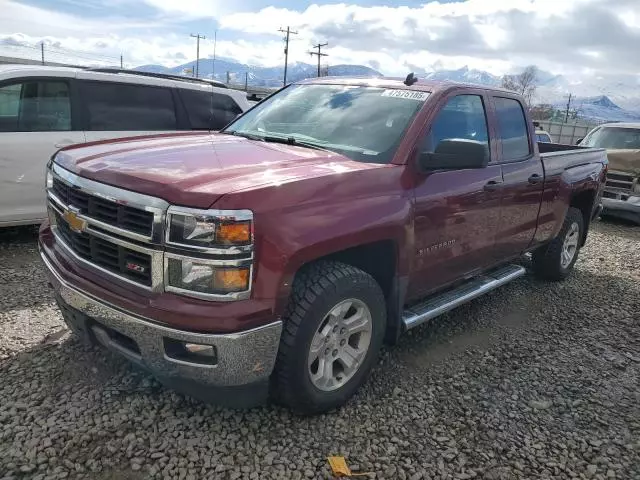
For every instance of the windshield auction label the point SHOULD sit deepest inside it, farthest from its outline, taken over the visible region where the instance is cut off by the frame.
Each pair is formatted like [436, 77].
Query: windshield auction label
[408, 94]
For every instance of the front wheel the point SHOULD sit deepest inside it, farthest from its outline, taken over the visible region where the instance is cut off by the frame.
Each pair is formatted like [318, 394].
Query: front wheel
[555, 260]
[334, 327]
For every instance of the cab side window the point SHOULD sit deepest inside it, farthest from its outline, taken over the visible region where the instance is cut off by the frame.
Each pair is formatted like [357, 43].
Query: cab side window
[462, 118]
[35, 106]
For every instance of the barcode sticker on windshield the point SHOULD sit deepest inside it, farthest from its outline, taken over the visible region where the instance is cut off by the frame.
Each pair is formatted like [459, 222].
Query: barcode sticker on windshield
[408, 94]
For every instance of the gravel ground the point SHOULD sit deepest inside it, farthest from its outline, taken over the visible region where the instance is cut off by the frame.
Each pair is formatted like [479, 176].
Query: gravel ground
[535, 380]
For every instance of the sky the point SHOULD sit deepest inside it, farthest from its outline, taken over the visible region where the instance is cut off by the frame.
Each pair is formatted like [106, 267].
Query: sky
[570, 37]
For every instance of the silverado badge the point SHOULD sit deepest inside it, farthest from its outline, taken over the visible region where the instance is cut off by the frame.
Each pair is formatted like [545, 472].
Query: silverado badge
[75, 222]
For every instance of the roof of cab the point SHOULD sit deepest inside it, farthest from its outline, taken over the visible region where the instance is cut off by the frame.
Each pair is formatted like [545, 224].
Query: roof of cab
[397, 82]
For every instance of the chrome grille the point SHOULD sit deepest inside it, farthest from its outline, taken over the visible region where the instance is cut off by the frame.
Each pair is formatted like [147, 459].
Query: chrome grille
[122, 231]
[135, 266]
[620, 182]
[111, 213]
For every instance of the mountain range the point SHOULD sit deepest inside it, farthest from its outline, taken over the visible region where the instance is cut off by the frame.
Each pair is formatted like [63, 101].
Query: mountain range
[603, 98]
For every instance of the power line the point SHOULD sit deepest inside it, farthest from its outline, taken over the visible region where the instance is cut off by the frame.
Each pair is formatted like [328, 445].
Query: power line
[286, 51]
[319, 53]
[198, 37]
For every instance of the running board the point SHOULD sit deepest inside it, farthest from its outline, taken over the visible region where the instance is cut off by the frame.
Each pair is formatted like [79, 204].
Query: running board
[443, 302]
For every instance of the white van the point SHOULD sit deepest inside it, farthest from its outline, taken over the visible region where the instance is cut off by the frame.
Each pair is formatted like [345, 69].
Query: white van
[46, 108]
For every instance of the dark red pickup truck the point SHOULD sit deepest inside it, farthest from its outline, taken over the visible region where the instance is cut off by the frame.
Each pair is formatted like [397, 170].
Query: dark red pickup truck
[275, 257]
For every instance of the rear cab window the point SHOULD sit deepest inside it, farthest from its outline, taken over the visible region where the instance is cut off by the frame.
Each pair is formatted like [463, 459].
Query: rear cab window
[35, 106]
[512, 129]
[114, 106]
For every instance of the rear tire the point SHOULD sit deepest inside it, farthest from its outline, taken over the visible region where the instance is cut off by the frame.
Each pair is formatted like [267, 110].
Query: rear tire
[555, 260]
[333, 330]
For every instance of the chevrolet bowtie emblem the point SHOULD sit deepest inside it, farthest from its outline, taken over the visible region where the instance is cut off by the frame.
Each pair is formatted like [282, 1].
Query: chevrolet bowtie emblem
[75, 223]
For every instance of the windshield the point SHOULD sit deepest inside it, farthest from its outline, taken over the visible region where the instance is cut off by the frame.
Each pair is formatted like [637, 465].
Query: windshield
[543, 137]
[362, 123]
[613, 138]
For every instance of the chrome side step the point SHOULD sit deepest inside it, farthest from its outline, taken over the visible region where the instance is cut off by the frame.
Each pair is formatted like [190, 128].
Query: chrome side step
[443, 302]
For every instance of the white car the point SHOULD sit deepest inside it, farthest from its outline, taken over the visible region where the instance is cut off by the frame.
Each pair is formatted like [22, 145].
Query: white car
[43, 109]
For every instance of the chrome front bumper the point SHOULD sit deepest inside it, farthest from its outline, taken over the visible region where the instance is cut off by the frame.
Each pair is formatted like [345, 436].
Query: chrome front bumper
[622, 208]
[242, 358]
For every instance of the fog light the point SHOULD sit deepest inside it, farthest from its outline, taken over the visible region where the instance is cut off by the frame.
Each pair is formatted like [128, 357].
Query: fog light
[199, 349]
[198, 353]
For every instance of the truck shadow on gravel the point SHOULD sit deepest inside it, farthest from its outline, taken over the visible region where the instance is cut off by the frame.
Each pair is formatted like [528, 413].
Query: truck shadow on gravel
[524, 307]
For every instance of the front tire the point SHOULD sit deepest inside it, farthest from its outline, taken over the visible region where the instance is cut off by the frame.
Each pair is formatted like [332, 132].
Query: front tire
[333, 330]
[556, 260]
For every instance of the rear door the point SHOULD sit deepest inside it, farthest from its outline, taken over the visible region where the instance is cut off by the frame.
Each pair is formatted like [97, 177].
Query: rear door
[456, 211]
[114, 110]
[523, 177]
[35, 120]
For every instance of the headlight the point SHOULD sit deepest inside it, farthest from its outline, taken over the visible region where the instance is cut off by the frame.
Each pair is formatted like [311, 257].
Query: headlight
[202, 278]
[207, 229]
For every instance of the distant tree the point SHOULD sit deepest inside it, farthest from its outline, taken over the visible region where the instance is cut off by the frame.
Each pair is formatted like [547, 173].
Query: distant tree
[543, 111]
[524, 83]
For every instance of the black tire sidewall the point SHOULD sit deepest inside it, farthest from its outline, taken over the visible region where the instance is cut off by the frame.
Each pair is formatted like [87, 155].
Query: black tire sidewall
[363, 289]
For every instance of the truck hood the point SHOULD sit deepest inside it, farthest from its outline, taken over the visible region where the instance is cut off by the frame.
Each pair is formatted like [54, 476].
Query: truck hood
[624, 160]
[196, 169]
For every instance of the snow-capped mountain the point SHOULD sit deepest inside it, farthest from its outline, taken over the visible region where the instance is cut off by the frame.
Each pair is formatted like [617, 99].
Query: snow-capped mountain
[613, 98]
[258, 76]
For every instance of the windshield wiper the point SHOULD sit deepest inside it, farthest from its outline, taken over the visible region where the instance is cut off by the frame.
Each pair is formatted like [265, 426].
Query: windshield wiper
[250, 136]
[292, 141]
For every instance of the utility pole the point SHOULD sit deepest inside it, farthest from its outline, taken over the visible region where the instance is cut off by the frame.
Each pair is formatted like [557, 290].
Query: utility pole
[319, 54]
[288, 31]
[246, 81]
[121, 64]
[42, 51]
[213, 62]
[198, 37]
[228, 77]
[566, 115]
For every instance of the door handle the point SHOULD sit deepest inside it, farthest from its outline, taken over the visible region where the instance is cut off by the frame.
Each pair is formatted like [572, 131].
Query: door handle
[535, 179]
[493, 185]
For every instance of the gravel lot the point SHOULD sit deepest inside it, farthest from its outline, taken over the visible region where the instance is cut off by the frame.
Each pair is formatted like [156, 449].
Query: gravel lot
[535, 380]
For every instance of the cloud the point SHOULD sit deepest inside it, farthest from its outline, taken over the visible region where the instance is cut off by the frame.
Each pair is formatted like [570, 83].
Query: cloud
[567, 35]
[576, 37]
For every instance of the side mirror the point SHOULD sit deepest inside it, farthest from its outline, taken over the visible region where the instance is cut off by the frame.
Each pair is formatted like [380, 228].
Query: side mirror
[455, 154]
[579, 141]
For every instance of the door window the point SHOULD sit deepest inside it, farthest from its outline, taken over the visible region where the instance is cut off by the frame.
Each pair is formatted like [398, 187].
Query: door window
[121, 107]
[513, 128]
[462, 118]
[35, 106]
[207, 110]
[225, 109]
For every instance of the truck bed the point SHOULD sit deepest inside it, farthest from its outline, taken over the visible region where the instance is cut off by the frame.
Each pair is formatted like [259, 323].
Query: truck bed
[557, 158]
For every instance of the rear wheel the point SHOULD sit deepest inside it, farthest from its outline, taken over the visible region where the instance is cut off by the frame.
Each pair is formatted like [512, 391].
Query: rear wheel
[334, 327]
[556, 260]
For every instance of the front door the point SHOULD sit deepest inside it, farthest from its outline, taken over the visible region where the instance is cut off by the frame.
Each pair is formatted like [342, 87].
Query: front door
[35, 121]
[456, 211]
[523, 179]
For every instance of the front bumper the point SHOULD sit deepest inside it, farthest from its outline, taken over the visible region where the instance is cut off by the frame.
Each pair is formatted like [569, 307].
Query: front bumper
[622, 209]
[238, 376]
